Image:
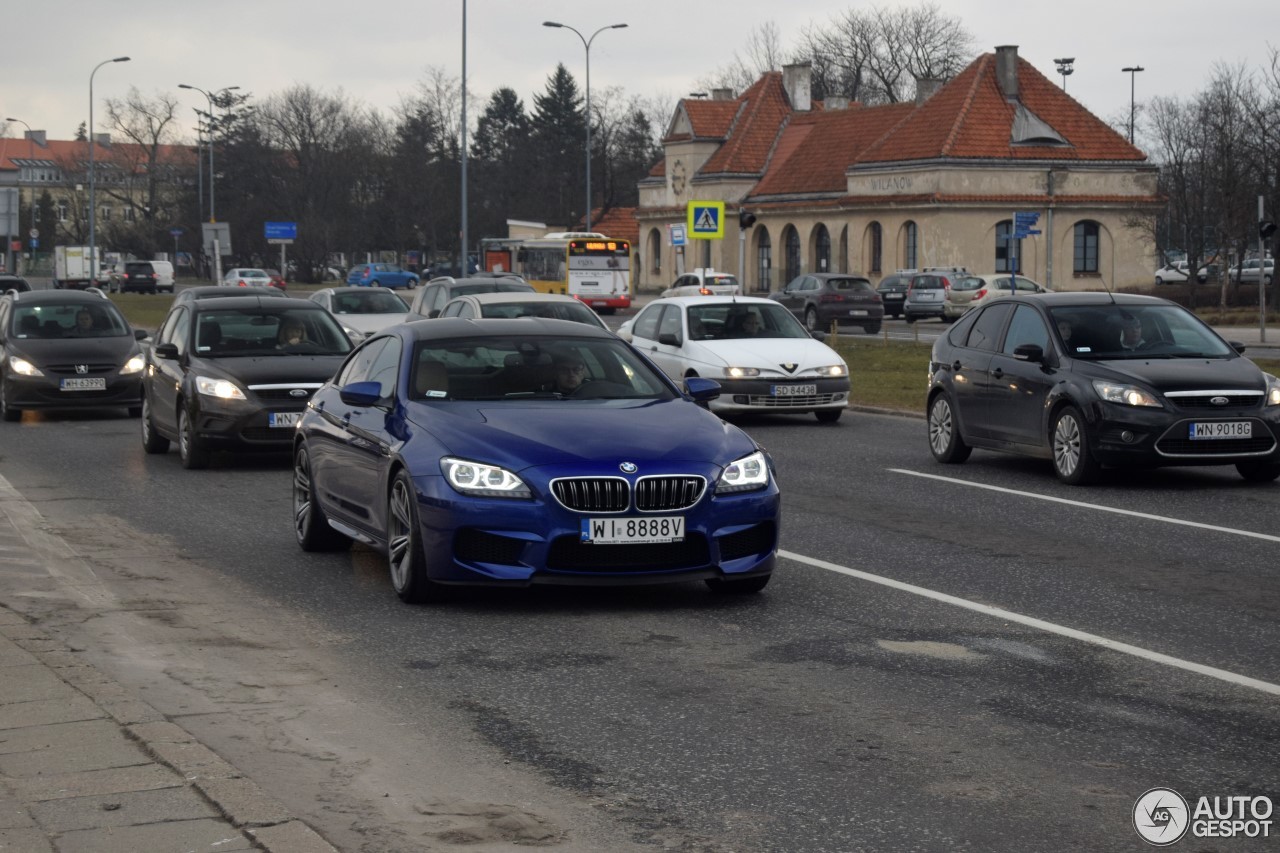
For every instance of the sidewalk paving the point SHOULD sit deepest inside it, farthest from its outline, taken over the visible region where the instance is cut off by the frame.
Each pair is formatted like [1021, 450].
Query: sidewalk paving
[87, 767]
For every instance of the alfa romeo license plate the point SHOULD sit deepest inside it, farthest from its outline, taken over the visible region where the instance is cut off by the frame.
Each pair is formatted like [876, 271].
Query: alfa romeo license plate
[84, 384]
[633, 531]
[794, 390]
[284, 419]
[1221, 429]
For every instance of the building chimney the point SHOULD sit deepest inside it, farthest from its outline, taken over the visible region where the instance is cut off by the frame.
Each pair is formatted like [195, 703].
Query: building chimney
[722, 94]
[835, 102]
[796, 82]
[1007, 69]
[926, 88]
[36, 136]
[104, 139]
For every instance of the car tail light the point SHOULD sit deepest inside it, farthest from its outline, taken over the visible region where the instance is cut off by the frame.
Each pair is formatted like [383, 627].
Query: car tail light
[980, 294]
[704, 291]
[242, 284]
[831, 297]
[878, 297]
[946, 284]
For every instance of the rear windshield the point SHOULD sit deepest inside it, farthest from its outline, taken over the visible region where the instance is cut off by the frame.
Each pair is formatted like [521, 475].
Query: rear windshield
[369, 301]
[849, 284]
[138, 268]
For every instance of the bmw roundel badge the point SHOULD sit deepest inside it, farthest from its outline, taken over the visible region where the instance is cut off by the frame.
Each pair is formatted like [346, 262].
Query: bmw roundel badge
[628, 467]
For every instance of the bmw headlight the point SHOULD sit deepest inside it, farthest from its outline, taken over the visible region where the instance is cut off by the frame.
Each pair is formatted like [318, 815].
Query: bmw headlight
[133, 365]
[1125, 395]
[741, 372]
[744, 475]
[1273, 390]
[488, 481]
[220, 388]
[833, 370]
[22, 367]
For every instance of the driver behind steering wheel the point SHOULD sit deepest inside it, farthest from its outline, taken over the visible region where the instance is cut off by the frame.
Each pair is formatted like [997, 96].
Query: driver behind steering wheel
[571, 370]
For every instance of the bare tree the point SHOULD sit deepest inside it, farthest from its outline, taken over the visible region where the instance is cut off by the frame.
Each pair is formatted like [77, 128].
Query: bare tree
[762, 53]
[144, 176]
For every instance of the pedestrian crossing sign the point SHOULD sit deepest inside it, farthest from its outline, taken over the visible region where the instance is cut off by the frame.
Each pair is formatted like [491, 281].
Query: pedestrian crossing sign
[706, 220]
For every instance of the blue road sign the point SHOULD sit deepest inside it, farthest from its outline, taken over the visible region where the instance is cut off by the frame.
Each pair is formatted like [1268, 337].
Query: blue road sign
[281, 230]
[175, 232]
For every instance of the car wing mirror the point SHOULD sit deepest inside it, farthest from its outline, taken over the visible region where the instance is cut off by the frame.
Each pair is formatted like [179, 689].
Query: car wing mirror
[625, 334]
[141, 334]
[1029, 352]
[361, 394]
[702, 390]
[818, 336]
[1237, 346]
[166, 351]
[669, 339]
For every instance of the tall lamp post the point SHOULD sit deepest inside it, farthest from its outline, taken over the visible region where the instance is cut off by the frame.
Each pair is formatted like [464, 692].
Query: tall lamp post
[586, 43]
[210, 97]
[31, 144]
[93, 196]
[1065, 67]
[1132, 71]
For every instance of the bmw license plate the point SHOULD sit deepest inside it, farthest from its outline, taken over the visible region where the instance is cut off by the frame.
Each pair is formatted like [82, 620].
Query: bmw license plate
[633, 531]
[284, 419]
[794, 390]
[1222, 429]
[86, 384]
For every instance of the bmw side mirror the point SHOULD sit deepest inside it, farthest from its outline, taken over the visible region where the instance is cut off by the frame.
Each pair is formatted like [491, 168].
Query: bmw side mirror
[702, 390]
[361, 394]
[1029, 352]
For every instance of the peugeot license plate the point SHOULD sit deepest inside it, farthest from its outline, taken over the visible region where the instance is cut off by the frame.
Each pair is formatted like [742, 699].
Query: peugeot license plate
[794, 390]
[857, 312]
[96, 383]
[284, 419]
[1222, 429]
[633, 531]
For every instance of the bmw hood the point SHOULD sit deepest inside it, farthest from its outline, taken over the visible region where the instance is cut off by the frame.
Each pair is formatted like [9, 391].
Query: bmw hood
[769, 354]
[1184, 374]
[518, 436]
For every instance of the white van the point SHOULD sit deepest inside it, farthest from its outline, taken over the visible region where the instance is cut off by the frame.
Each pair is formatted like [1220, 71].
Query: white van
[164, 275]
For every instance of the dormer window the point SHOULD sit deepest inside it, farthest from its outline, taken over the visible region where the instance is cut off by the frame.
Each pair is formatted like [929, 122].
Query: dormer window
[1030, 129]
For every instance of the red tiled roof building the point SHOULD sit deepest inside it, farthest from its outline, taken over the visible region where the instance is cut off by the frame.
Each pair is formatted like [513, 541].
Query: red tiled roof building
[844, 187]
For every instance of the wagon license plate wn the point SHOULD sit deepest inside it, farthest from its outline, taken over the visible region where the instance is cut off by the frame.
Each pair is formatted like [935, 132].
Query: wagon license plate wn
[794, 390]
[84, 384]
[1221, 429]
[633, 531]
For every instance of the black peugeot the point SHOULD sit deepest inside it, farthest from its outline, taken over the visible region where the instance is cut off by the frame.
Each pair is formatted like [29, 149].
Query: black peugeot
[236, 374]
[1091, 380]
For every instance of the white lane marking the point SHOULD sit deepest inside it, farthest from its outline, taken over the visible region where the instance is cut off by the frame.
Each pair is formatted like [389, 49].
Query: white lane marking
[1163, 518]
[1040, 624]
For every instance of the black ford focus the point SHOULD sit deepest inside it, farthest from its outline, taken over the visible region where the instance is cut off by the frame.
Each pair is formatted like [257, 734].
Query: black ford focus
[1091, 380]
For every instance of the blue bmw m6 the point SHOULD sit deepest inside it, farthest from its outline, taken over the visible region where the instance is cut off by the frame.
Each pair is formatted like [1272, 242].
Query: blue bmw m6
[530, 451]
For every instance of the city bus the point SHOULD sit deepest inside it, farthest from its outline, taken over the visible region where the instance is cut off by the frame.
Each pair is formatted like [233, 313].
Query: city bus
[588, 266]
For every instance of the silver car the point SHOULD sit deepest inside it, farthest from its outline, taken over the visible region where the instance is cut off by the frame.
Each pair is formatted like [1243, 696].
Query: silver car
[970, 291]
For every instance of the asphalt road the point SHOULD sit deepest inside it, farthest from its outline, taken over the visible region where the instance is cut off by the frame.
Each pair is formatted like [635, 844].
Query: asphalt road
[888, 691]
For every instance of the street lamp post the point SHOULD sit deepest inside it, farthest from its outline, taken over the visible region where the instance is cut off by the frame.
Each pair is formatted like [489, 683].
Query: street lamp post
[31, 144]
[586, 43]
[1132, 71]
[93, 196]
[1065, 67]
[210, 96]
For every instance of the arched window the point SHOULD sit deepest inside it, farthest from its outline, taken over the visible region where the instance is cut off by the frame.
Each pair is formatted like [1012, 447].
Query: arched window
[842, 262]
[909, 244]
[1004, 263]
[655, 250]
[764, 260]
[791, 242]
[1086, 247]
[875, 236]
[822, 250]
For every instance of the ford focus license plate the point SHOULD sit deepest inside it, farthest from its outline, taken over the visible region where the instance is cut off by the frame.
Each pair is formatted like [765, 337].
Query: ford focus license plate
[284, 419]
[633, 531]
[1222, 429]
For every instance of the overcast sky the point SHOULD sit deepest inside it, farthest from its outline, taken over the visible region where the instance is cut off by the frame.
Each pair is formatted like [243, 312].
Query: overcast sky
[378, 50]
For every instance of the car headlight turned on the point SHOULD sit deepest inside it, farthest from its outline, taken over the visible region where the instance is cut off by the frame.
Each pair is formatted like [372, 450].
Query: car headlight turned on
[22, 367]
[220, 388]
[481, 480]
[133, 365]
[744, 475]
[1125, 395]
[741, 372]
[833, 370]
[1273, 390]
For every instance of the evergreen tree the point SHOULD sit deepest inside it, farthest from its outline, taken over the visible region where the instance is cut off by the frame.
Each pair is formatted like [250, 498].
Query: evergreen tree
[558, 134]
[501, 163]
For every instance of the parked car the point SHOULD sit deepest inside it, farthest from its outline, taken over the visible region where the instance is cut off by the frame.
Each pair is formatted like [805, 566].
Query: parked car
[246, 277]
[926, 296]
[512, 305]
[1053, 376]
[277, 280]
[228, 374]
[1247, 271]
[381, 275]
[820, 299]
[893, 291]
[1173, 273]
[361, 311]
[969, 291]
[703, 282]
[67, 349]
[488, 477]
[431, 299]
[16, 283]
[777, 369]
[217, 291]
